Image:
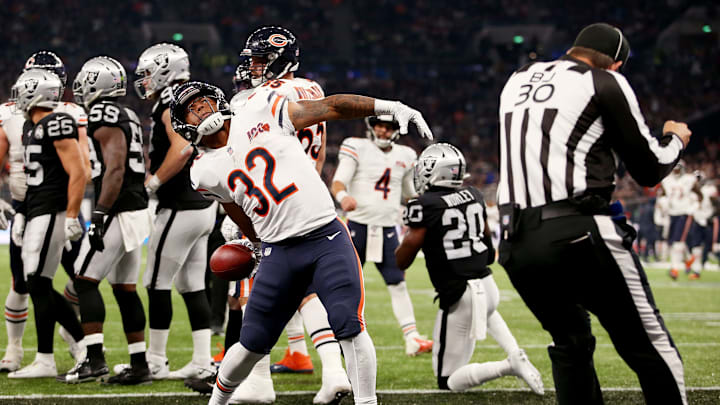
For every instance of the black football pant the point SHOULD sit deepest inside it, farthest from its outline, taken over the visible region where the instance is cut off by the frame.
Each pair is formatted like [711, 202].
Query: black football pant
[566, 266]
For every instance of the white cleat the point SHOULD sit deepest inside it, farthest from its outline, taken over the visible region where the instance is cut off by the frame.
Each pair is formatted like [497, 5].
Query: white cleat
[192, 370]
[334, 388]
[12, 359]
[522, 368]
[254, 390]
[37, 369]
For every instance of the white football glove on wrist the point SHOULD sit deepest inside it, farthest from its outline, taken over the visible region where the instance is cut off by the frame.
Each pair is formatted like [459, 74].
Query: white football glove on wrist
[255, 247]
[153, 185]
[73, 229]
[229, 229]
[6, 210]
[18, 229]
[404, 115]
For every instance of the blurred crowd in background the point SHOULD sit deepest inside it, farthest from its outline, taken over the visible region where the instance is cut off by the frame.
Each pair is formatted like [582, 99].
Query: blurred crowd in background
[449, 61]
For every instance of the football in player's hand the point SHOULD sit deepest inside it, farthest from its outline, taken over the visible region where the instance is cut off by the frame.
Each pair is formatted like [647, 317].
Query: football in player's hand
[232, 261]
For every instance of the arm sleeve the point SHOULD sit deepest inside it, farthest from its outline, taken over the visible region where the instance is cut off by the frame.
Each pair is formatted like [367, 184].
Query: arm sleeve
[647, 159]
[347, 164]
[408, 184]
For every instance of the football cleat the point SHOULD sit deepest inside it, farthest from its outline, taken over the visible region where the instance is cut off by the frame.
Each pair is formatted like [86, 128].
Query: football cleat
[335, 387]
[12, 359]
[417, 345]
[694, 276]
[192, 370]
[131, 376]
[295, 362]
[37, 369]
[254, 390]
[201, 385]
[158, 365]
[674, 274]
[522, 368]
[218, 358]
[85, 371]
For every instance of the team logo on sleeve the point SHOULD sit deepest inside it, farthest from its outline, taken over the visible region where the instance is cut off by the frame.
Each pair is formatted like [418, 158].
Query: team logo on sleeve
[278, 40]
[39, 132]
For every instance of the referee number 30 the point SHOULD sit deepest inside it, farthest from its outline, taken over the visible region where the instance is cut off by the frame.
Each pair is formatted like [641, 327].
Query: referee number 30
[540, 90]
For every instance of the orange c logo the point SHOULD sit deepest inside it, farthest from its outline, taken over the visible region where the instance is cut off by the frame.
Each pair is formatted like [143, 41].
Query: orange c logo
[278, 40]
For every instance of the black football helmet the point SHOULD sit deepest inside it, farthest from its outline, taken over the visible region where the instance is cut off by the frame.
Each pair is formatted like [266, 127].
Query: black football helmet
[280, 49]
[47, 60]
[242, 79]
[188, 93]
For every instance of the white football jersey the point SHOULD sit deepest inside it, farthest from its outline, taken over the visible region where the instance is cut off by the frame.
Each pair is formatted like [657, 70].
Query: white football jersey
[705, 210]
[661, 216]
[240, 98]
[302, 89]
[209, 174]
[379, 181]
[277, 187]
[12, 121]
[678, 189]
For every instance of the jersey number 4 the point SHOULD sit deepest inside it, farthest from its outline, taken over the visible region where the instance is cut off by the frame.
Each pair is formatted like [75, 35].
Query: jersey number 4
[383, 185]
[251, 190]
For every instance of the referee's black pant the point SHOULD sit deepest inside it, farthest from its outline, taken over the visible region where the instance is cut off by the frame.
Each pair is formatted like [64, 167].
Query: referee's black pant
[566, 266]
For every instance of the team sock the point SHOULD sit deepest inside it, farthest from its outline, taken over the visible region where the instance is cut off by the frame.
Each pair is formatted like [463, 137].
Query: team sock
[361, 362]
[296, 334]
[498, 329]
[94, 344]
[474, 374]
[315, 318]
[158, 342]
[41, 294]
[403, 309]
[236, 366]
[234, 324]
[201, 347]
[16, 314]
[71, 296]
[137, 355]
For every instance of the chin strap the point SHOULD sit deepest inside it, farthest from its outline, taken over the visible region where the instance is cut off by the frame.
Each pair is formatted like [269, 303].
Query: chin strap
[211, 124]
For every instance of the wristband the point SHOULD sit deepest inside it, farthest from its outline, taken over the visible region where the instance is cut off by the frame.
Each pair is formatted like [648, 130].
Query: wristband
[384, 107]
[340, 195]
[154, 183]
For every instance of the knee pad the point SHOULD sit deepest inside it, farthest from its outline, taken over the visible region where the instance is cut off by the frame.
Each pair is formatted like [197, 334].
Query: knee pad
[159, 308]
[131, 310]
[574, 349]
[92, 307]
[198, 309]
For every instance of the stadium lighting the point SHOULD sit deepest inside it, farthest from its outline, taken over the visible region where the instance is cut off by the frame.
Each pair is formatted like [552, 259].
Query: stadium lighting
[518, 39]
[177, 37]
[706, 28]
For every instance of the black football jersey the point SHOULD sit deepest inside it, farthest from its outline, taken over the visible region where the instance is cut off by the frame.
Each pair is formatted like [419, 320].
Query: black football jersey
[176, 193]
[455, 247]
[108, 113]
[46, 177]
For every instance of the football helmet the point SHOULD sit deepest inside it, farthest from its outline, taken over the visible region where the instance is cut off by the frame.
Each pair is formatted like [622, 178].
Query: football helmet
[382, 143]
[185, 96]
[47, 60]
[158, 67]
[441, 165]
[100, 77]
[242, 79]
[36, 88]
[280, 48]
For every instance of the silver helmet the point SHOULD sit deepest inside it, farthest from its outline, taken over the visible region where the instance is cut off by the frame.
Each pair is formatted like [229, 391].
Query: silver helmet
[36, 88]
[158, 67]
[441, 165]
[99, 77]
[382, 143]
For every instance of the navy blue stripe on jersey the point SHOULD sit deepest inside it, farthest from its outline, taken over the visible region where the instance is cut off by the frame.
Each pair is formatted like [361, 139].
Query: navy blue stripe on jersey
[585, 120]
[510, 178]
[45, 245]
[523, 148]
[547, 122]
[280, 113]
[158, 251]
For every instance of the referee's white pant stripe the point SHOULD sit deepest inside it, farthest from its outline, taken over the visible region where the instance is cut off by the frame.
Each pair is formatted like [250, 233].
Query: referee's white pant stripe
[656, 333]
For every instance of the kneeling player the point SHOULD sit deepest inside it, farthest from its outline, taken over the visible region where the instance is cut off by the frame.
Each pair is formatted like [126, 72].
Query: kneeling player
[120, 222]
[448, 222]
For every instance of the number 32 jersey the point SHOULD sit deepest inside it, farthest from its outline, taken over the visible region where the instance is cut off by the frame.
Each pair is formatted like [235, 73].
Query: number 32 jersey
[266, 171]
[46, 177]
[107, 113]
[456, 248]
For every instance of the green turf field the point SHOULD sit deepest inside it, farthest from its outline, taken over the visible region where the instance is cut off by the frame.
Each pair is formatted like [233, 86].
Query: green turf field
[691, 311]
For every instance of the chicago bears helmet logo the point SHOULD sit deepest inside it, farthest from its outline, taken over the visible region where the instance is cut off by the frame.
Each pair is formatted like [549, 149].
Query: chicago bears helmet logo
[278, 40]
[92, 77]
[161, 60]
[30, 62]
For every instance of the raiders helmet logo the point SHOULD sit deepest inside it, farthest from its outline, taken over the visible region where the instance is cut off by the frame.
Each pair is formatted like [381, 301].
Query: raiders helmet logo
[92, 77]
[278, 40]
[31, 85]
[161, 60]
[39, 132]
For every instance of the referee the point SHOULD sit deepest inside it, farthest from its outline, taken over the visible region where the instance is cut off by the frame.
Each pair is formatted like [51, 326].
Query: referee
[564, 127]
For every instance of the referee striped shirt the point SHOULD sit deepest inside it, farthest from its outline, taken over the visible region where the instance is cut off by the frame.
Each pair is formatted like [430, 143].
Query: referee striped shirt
[563, 128]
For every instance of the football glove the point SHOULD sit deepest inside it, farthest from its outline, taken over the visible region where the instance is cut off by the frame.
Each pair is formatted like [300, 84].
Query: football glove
[73, 229]
[152, 185]
[229, 229]
[18, 229]
[404, 115]
[6, 210]
[97, 228]
[255, 247]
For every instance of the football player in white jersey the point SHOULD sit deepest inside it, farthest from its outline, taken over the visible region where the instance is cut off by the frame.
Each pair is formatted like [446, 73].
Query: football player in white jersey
[373, 179]
[678, 186]
[275, 57]
[700, 238]
[11, 122]
[292, 212]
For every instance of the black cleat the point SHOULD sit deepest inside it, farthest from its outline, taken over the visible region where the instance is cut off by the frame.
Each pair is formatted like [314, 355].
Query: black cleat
[201, 385]
[131, 376]
[84, 372]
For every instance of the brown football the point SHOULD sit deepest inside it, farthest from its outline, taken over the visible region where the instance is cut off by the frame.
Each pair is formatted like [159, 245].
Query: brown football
[232, 261]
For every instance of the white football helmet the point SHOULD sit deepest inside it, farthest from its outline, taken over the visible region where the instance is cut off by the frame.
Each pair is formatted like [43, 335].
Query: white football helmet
[382, 143]
[159, 66]
[441, 165]
[99, 77]
[36, 88]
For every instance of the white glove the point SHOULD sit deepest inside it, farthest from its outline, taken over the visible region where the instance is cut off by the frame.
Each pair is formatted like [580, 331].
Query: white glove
[153, 185]
[255, 247]
[18, 229]
[73, 229]
[229, 229]
[5, 210]
[404, 115]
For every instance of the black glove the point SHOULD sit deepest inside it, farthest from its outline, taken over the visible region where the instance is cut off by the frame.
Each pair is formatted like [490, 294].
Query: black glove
[97, 228]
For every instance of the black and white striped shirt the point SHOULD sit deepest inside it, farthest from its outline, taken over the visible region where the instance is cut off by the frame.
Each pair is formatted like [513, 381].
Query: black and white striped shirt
[563, 128]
